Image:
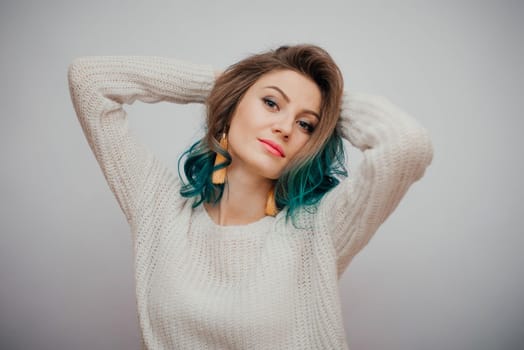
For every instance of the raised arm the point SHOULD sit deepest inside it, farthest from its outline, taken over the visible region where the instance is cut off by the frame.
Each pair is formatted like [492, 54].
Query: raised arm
[99, 87]
[396, 150]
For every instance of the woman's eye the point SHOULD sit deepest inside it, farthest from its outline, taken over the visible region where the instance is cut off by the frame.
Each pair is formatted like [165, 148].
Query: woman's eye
[306, 126]
[270, 103]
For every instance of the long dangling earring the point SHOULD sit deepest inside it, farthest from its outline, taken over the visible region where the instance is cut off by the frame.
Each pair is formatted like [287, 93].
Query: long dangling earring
[271, 206]
[219, 176]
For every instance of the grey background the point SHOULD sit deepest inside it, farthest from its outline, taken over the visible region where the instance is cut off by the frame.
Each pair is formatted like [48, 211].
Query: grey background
[443, 272]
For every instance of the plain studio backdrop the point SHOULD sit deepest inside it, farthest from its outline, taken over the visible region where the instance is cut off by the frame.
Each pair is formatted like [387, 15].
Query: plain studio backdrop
[443, 272]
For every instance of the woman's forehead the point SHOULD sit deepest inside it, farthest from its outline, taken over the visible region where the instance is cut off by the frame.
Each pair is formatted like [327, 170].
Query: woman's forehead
[294, 87]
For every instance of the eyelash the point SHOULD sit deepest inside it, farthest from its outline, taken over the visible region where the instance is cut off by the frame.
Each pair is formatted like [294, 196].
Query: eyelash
[266, 100]
[302, 124]
[306, 126]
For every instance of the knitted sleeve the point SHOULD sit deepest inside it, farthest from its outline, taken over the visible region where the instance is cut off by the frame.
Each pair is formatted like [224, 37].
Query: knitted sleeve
[396, 151]
[100, 85]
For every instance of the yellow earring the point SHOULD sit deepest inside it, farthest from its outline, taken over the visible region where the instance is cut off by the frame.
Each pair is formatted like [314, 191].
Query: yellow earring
[271, 206]
[219, 176]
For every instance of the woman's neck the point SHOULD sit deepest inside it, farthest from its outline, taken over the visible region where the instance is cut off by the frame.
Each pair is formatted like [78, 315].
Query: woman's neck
[243, 201]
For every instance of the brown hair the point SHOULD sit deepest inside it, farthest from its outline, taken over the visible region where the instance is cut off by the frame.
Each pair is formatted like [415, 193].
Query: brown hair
[309, 60]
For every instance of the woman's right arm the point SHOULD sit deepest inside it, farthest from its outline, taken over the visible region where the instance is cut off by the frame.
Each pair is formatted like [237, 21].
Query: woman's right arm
[100, 85]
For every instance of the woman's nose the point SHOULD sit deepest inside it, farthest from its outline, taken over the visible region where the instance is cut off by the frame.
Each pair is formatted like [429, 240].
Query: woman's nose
[283, 126]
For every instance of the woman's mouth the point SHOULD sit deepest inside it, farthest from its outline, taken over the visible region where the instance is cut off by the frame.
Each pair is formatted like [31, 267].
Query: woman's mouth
[273, 147]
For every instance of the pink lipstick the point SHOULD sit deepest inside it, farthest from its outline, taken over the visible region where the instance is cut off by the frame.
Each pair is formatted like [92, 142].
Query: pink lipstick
[273, 148]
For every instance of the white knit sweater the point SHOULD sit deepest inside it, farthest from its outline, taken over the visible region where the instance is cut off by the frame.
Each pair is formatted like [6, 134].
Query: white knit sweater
[265, 285]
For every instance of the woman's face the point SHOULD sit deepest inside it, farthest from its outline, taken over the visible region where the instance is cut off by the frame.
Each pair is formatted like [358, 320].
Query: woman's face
[272, 122]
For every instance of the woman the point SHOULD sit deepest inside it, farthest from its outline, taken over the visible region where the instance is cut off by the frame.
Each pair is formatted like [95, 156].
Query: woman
[246, 252]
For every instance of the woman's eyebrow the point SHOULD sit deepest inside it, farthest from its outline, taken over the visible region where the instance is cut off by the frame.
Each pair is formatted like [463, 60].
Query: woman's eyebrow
[287, 99]
[279, 90]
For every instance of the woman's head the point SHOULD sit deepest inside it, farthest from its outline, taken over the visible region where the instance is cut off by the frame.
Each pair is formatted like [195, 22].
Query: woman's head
[290, 96]
[310, 62]
[272, 123]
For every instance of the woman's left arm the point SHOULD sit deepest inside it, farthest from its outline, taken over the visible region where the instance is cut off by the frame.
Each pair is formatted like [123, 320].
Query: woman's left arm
[396, 150]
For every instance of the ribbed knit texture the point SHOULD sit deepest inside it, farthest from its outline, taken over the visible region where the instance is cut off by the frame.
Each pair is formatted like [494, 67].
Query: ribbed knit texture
[265, 285]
